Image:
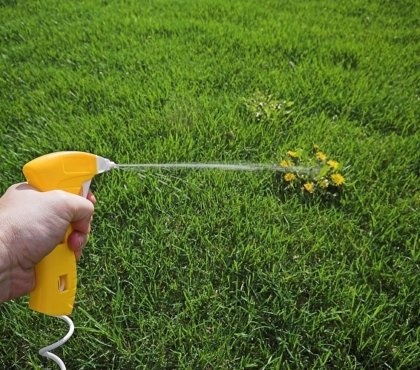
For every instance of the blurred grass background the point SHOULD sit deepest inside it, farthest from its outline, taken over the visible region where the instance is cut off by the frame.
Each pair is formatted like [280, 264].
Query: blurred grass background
[212, 270]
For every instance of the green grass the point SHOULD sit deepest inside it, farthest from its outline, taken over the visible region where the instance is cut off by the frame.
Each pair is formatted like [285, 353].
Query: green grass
[211, 270]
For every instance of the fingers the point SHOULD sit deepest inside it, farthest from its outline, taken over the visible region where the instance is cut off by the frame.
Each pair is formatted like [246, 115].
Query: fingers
[81, 211]
[91, 197]
[77, 241]
[81, 223]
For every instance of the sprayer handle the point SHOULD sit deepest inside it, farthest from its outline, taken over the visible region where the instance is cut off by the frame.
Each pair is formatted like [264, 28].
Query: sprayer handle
[56, 281]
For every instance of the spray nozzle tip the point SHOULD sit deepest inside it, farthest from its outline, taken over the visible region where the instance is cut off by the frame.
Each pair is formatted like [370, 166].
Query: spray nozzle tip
[104, 164]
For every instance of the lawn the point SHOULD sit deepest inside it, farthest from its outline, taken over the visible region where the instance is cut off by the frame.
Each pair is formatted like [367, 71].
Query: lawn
[212, 269]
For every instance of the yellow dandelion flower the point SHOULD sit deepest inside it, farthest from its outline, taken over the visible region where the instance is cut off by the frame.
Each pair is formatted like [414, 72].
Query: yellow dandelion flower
[324, 183]
[321, 156]
[333, 164]
[289, 177]
[285, 163]
[309, 187]
[338, 179]
[293, 154]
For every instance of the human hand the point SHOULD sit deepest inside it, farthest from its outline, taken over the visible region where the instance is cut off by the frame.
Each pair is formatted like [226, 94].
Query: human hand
[32, 223]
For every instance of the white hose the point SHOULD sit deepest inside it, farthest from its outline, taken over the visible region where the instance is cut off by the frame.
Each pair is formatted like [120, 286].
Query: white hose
[46, 350]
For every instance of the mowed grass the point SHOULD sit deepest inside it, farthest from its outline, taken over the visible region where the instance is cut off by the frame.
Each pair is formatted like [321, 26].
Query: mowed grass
[214, 270]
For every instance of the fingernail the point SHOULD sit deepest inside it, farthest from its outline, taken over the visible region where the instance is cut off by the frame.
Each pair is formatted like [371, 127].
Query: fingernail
[80, 249]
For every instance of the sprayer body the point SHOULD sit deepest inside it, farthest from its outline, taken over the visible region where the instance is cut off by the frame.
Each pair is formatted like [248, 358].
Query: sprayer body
[56, 275]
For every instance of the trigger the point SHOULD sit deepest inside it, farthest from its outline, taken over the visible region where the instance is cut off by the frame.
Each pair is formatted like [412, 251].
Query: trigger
[85, 188]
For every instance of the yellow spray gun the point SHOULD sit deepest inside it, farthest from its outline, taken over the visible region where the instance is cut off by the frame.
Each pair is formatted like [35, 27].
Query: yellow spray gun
[56, 276]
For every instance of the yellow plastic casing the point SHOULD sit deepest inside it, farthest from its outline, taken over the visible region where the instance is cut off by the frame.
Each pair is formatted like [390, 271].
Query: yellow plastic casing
[56, 274]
